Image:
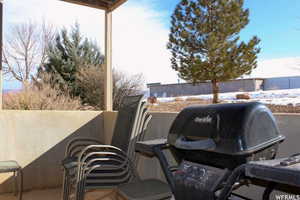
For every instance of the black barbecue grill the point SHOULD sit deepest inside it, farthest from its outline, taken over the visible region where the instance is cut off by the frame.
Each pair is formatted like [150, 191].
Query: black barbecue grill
[210, 143]
[225, 135]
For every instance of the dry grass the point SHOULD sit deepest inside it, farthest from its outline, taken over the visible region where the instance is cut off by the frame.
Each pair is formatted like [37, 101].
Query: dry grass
[194, 99]
[40, 98]
[177, 106]
[284, 109]
[178, 99]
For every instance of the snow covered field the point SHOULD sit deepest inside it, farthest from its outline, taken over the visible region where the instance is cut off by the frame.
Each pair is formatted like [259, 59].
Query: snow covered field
[276, 97]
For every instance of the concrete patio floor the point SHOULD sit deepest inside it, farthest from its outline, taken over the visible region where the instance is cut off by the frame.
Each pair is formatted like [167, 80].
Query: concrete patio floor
[55, 194]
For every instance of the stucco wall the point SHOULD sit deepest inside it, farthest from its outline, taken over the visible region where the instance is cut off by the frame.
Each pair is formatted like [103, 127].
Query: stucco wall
[37, 140]
[158, 128]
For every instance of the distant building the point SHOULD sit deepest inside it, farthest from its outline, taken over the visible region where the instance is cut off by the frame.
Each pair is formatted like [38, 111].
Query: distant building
[281, 83]
[238, 85]
[184, 89]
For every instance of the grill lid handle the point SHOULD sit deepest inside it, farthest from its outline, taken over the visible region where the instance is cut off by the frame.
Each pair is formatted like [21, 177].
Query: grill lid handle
[205, 144]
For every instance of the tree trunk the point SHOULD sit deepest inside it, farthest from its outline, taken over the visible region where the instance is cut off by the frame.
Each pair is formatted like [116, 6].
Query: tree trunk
[216, 89]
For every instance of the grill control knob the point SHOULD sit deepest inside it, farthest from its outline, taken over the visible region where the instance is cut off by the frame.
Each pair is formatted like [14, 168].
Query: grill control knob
[190, 170]
[201, 174]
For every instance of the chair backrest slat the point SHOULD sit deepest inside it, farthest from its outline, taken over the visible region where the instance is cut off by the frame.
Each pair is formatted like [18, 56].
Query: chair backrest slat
[126, 120]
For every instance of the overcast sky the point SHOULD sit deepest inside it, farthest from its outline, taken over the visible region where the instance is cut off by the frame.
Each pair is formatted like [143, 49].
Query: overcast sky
[141, 27]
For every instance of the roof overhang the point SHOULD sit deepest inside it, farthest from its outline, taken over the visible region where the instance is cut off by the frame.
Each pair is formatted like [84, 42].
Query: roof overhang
[107, 5]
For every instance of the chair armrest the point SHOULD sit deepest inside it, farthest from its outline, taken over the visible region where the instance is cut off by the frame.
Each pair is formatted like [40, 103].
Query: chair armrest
[103, 151]
[73, 161]
[104, 157]
[69, 162]
[98, 148]
[79, 142]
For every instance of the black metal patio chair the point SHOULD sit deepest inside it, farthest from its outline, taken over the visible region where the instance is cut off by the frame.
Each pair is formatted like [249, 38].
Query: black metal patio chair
[91, 165]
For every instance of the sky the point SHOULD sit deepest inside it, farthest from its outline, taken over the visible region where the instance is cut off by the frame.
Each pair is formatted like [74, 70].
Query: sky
[141, 28]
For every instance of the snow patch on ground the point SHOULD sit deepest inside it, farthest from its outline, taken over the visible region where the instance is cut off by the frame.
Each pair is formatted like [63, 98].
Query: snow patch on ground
[276, 97]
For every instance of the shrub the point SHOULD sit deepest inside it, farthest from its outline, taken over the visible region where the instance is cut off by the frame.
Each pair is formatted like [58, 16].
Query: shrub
[42, 97]
[245, 96]
[152, 100]
[90, 81]
[125, 85]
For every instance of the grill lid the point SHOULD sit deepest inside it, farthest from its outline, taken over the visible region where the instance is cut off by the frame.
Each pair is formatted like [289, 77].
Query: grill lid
[225, 128]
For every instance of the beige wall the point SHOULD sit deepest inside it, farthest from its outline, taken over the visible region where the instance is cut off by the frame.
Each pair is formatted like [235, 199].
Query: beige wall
[158, 128]
[37, 140]
[109, 124]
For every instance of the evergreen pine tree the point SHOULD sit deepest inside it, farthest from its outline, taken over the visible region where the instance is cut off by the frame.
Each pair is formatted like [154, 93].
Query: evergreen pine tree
[205, 44]
[66, 55]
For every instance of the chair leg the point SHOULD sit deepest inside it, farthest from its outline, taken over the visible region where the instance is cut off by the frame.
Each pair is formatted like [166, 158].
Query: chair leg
[79, 190]
[21, 185]
[15, 183]
[65, 187]
[19, 190]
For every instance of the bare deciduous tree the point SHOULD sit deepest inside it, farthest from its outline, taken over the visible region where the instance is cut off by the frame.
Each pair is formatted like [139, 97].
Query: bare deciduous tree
[125, 85]
[90, 80]
[24, 49]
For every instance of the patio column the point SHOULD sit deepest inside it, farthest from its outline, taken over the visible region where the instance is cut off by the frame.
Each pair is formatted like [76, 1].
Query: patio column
[1, 45]
[108, 82]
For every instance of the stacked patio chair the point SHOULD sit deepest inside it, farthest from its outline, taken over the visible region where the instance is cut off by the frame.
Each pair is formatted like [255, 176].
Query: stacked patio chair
[88, 164]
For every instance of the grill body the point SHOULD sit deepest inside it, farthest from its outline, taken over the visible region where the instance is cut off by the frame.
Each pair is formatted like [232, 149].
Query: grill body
[225, 135]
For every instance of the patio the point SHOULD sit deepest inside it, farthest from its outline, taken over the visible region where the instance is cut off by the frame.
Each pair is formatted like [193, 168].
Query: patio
[38, 143]
[51, 194]
[55, 194]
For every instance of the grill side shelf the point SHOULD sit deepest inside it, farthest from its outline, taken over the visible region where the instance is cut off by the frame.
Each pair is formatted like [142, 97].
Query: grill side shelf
[272, 170]
[148, 147]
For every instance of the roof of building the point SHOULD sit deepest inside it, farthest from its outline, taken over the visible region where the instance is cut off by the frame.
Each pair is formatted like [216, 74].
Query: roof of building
[100, 4]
